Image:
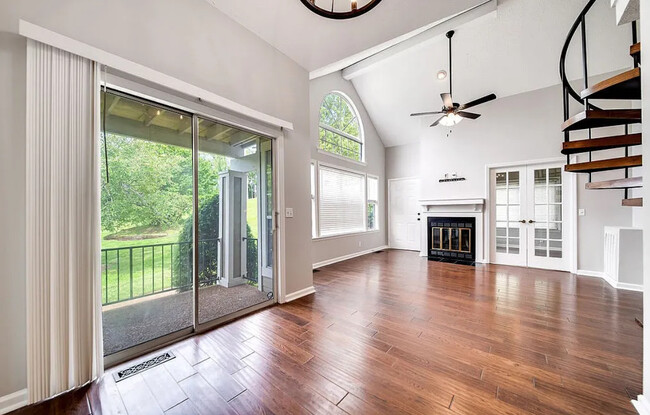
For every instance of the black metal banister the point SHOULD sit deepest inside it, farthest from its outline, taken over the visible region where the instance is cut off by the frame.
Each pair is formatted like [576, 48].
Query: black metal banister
[566, 85]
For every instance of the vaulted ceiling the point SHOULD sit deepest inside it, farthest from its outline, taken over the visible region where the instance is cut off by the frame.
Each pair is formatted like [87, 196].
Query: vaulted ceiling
[511, 52]
[314, 41]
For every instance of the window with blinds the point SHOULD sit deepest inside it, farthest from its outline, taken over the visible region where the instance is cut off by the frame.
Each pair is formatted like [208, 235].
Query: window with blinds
[341, 201]
[373, 199]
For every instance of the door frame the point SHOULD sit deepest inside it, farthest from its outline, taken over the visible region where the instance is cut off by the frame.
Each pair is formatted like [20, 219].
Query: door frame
[571, 208]
[388, 213]
[137, 90]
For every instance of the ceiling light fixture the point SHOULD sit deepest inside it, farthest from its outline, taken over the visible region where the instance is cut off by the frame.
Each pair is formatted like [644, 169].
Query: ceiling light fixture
[451, 119]
[336, 9]
[442, 74]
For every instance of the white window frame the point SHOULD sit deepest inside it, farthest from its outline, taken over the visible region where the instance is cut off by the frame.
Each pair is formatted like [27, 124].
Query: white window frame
[373, 201]
[360, 140]
[315, 196]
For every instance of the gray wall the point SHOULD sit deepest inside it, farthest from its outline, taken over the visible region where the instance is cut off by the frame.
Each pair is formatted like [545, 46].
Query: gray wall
[328, 248]
[516, 128]
[403, 161]
[190, 40]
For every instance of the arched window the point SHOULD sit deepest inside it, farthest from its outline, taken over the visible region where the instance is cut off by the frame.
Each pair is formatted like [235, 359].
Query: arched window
[340, 129]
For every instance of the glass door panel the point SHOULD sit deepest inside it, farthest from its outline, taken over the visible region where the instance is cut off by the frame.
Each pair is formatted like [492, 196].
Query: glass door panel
[546, 213]
[507, 191]
[146, 219]
[231, 218]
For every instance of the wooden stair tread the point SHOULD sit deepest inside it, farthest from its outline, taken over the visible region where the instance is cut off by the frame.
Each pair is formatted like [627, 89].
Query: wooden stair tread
[627, 183]
[635, 49]
[603, 165]
[604, 143]
[601, 118]
[626, 85]
[635, 202]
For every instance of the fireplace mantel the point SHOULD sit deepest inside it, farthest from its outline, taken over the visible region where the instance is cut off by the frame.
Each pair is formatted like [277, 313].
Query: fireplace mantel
[453, 205]
[454, 208]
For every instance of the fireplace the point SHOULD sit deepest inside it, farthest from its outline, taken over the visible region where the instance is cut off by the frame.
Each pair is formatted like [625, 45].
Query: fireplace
[452, 239]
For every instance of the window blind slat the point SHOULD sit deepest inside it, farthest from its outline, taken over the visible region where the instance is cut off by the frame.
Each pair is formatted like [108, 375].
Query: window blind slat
[342, 202]
[373, 189]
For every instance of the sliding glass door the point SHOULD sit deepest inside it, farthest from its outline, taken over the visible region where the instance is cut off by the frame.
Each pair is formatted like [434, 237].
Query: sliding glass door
[230, 220]
[146, 202]
[187, 234]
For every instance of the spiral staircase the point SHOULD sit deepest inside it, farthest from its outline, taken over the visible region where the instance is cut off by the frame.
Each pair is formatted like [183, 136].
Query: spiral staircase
[625, 86]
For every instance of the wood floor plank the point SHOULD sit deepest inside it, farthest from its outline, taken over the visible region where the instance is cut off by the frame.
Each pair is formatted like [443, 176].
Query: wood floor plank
[163, 387]
[393, 333]
[205, 399]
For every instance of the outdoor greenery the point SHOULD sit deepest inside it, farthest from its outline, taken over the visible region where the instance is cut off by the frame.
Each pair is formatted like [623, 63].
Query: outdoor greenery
[146, 210]
[337, 119]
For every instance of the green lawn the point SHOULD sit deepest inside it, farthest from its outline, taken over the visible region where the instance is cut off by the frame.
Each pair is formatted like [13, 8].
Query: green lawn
[147, 266]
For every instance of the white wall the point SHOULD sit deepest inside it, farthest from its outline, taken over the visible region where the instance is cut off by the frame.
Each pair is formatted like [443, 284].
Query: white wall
[189, 40]
[329, 248]
[645, 58]
[517, 128]
[403, 161]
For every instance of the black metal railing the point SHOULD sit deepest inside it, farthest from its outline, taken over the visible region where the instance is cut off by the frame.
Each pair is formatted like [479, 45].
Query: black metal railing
[252, 273]
[139, 271]
[568, 91]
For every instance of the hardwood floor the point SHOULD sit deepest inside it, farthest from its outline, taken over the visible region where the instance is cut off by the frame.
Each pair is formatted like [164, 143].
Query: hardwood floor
[393, 333]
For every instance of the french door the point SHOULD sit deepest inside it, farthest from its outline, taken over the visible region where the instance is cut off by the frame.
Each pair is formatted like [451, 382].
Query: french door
[528, 216]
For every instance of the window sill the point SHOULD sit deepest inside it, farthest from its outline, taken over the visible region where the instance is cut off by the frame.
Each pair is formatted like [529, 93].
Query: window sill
[337, 156]
[344, 235]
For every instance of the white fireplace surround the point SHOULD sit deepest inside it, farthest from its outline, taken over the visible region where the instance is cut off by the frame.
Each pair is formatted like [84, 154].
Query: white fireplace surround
[454, 208]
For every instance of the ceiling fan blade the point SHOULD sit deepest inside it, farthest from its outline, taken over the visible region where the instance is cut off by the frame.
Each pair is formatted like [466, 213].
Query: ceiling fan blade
[446, 99]
[437, 122]
[417, 114]
[469, 115]
[479, 101]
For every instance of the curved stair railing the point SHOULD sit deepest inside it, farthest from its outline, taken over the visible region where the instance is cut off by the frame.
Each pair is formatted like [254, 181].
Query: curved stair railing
[568, 92]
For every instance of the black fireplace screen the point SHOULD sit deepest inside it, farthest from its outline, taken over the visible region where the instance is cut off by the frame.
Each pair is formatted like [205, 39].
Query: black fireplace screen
[452, 238]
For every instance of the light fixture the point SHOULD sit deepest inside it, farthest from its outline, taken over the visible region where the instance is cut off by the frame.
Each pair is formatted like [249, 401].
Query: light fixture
[442, 74]
[451, 119]
[337, 9]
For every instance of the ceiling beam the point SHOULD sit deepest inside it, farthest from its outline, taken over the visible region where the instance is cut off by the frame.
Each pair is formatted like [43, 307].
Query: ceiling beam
[487, 8]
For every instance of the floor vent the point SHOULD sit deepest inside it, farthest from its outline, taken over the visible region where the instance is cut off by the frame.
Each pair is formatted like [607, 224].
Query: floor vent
[379, 252]
[141, 367]
[316, 270]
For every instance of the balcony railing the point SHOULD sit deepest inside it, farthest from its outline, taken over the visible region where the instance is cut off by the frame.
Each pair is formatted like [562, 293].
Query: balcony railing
[139, 271]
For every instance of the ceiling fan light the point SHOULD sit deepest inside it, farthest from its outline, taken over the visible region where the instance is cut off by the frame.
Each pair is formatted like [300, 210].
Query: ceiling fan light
[450, 120]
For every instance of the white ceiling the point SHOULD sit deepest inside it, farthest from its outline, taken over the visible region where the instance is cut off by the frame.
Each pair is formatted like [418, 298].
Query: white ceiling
[314, 41]
[516, 51]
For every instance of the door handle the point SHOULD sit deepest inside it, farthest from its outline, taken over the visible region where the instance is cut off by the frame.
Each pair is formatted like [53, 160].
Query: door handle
[522, 221]
[531, 221]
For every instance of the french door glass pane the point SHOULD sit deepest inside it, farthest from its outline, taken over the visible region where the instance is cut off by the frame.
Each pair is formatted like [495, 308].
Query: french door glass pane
[548, 212]
[146, 217]
[508, 212]
[229, 185]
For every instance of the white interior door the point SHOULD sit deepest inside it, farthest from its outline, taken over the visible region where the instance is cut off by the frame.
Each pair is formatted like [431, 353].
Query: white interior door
[508, 193]
[404, 225]
[547, 233]
[527, 216]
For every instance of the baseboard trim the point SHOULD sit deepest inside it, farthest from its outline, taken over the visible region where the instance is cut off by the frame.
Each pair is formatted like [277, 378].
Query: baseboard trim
[349, 256]
[299, 294]
[13, 401]
[642, 405]
[615, 284]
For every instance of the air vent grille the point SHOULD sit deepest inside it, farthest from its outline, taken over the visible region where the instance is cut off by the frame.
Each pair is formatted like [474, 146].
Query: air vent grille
[141, 367]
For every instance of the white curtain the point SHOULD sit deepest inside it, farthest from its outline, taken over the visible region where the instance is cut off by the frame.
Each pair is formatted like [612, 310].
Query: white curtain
[64, 343]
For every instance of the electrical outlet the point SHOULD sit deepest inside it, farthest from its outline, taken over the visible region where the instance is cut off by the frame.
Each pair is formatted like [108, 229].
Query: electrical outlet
[581, 212]
[289, 212]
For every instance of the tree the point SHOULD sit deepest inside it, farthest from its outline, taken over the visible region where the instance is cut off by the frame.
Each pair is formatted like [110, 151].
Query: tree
[208, 270]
